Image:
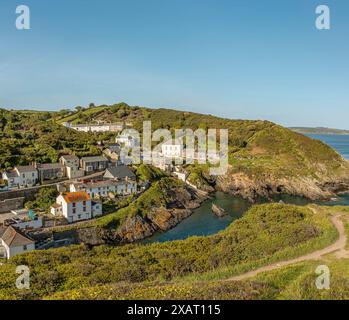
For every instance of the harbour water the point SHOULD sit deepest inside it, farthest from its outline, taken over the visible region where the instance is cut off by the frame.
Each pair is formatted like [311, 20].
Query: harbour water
[203, 222]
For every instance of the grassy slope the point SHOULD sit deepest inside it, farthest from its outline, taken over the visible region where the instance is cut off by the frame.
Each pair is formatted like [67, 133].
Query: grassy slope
[257, 148]
[35, 136]
[266, 233]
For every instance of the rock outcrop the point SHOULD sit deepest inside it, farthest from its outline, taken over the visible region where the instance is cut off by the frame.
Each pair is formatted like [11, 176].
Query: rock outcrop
[240, 184]
[180, 205]
[218, 211]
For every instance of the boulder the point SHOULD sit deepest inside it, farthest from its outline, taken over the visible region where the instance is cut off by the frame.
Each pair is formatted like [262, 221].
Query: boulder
[218, 211]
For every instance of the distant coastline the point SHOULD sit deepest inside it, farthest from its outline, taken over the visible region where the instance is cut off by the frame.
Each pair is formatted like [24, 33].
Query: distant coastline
[320, 130]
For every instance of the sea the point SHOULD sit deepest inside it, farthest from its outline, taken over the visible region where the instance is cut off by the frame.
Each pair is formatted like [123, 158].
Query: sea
[203, 222]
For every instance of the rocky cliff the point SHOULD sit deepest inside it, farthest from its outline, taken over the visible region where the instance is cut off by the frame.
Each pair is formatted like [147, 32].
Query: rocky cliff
[179, 206]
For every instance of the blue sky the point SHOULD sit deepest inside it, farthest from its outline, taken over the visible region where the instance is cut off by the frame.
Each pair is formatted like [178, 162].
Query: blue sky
[246, 59]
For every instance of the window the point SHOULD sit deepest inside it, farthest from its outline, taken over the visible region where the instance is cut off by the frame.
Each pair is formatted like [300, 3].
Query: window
[79, 216]
[74, 210]
[84, 209]
[74, 204]
[84, 203]
[24, 247]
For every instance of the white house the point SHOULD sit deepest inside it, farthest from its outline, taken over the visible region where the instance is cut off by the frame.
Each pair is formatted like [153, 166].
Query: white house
[29, 175]
[104, 127]
[12, 178]
[76, 206]
[127, 140]
[24, 220]
[13, 242]
[181, 175]
[172, 149]
[21, 177]
[103, 188]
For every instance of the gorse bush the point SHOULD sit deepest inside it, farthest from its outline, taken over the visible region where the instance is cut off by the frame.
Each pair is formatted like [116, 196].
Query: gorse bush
[266, 233]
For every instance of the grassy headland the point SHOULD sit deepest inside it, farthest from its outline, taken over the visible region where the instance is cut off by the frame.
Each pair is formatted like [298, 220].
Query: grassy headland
[267, 233]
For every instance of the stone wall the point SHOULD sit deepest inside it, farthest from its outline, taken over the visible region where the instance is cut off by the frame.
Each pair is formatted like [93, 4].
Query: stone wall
[28, 194]
[11, 204]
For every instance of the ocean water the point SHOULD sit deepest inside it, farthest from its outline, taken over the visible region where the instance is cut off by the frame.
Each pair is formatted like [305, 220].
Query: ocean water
[203, 222]
[337, 142]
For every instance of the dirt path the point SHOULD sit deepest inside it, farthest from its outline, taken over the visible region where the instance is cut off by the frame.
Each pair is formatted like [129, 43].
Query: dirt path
[338, 247]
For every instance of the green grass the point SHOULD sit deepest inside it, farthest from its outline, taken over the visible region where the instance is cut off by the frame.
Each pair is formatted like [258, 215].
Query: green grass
[267, 233]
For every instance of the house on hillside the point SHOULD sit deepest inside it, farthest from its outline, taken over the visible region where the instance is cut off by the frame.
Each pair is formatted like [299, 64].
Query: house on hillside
[71, 166]
[113, 151]
[100, 127]
[127, 140]
[50, 171]
[69, 160]
[29, 175]
[76, 206]
[92, 164]
[13, 242]
[172, 149]
[21, 177]
[104, 188]
[13, 179]
[120, 173]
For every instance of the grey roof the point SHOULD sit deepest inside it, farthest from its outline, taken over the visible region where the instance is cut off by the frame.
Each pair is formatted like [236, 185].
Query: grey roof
[25, 168]
[114, 147]
[94, 159]
[121, 172]
[69, 157]
[47, 166]
[95, 184]
[11, 174]
[14, 238]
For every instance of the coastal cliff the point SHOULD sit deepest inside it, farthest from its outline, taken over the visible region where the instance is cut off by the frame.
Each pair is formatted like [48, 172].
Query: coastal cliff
[165, 204]
[180, 200]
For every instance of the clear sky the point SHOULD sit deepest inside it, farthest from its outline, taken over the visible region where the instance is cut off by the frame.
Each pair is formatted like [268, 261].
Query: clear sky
[246, 59]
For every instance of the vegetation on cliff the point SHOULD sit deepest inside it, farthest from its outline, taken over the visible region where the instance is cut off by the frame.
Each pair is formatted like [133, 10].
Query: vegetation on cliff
[28, 136]
[258, 151]
[160, 194]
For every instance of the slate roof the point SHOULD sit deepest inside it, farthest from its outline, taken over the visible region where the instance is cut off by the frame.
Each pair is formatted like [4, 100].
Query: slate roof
[11, 174]
[25, 168]
[49, 166]
[94, 159]
[120, 172]
[69, 157]
[13, 238]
